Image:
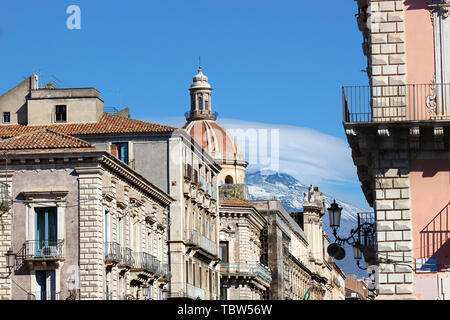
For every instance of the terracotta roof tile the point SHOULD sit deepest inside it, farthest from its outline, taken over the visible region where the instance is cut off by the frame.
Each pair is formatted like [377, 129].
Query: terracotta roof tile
[42, 139]
[107, 124]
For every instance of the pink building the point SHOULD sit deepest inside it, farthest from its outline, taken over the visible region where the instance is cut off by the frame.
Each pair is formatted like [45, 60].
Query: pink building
[398, 129]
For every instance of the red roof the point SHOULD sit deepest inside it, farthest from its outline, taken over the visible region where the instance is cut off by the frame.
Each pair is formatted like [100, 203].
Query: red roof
[107, 124]
[43, 139]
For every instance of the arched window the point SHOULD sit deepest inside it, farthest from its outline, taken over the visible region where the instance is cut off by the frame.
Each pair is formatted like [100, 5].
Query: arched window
[228, 180]
[200, 103]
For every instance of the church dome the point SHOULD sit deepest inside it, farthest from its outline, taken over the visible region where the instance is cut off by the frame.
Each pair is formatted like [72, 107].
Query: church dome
[202, 127]
[216, 140]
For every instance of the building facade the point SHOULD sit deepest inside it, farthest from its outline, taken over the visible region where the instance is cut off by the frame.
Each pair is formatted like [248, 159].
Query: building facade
[168, 157]
[78, 223]
[399, 138]
[245, 274]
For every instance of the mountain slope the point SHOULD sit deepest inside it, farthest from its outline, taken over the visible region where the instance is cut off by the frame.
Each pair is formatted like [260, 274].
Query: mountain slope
[289, 191]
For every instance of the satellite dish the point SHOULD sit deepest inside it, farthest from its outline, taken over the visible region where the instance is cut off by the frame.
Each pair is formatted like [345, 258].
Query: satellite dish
[336, 251]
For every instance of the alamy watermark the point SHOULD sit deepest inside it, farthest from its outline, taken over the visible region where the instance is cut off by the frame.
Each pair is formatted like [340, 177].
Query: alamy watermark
[73, 22]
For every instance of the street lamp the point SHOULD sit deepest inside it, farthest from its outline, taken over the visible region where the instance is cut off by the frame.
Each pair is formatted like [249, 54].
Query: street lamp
[334, 213]
[10, 262]
[361, 238]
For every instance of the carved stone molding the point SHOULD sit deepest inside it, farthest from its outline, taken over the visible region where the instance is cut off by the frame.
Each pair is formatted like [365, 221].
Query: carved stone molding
[441, 7]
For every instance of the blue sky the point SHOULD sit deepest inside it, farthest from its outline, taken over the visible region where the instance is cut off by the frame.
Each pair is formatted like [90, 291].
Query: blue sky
[272, 62]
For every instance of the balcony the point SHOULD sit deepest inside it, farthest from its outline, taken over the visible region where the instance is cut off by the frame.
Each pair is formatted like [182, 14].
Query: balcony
[113, 253]
[164, 271]
[194, 238]
[126, 259]
[182, 290]
[43, 295]
[145, 263]
[246, 270]
[396, 103]
[43, 250]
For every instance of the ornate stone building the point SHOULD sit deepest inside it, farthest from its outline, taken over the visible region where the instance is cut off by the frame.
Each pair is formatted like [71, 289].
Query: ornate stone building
[244, 269]
[264, 253]
[83, 225]
[167, 157]
[398, 133]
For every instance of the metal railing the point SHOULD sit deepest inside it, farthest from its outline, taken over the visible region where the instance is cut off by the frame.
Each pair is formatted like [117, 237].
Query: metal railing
[193, 237]
[186, 290]
[164, 271]
[146, 262]
[43, 295]
[113, 252]
[394, 103]
[43, 249]
[126, 257]
[256, 269]
[433, 238]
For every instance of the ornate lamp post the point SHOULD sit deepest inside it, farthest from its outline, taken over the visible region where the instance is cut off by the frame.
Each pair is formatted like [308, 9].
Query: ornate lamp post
[10, 262]
[361, 238]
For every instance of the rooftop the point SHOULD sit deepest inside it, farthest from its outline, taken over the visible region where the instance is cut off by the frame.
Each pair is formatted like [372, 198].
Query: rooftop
[42, 139]
[107, 124]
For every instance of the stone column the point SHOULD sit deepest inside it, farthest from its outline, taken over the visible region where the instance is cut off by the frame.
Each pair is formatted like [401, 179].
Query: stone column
[387, 58]
[5, 242]
[393, 225]
[91, 233]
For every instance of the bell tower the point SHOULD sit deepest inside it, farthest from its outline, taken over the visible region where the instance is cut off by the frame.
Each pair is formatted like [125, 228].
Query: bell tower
[200, 99]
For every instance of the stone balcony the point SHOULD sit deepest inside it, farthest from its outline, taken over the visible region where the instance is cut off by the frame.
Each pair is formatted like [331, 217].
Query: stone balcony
[247, 271]
[201, 243]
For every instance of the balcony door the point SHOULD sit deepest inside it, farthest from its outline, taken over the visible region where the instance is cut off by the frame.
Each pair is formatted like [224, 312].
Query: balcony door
[46, 232]
[46, 285]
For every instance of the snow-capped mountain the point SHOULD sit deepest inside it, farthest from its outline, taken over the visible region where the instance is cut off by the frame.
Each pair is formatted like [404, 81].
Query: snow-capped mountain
[289, 191]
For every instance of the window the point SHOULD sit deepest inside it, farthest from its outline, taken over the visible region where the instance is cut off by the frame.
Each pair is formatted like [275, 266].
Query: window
[224, 252]
[200, 103]
[228, 180]
[120, 151]
[45, 231]
[46, 285]
[61, 113]
[223, 293]
[6, 117]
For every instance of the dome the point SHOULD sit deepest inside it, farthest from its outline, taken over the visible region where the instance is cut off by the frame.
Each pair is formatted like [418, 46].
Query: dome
[216, 140]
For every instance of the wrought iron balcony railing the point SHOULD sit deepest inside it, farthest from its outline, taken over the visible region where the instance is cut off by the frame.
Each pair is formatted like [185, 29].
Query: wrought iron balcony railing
[193, 237]
[396, 103]
[256, 270]
[43, 249]
[127, 259]
[112, 252]
[186, 290]
[164, 271]
[146, 262]
[43, 295]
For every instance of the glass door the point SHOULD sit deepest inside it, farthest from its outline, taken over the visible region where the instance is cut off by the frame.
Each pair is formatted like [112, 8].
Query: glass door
[46, 231]
[46, 285]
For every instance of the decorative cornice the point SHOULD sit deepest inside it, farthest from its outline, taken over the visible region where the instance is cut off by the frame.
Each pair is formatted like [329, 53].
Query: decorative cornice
[112, 164]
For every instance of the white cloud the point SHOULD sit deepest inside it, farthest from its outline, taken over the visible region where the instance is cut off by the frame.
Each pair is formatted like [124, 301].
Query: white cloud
[307, 154]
